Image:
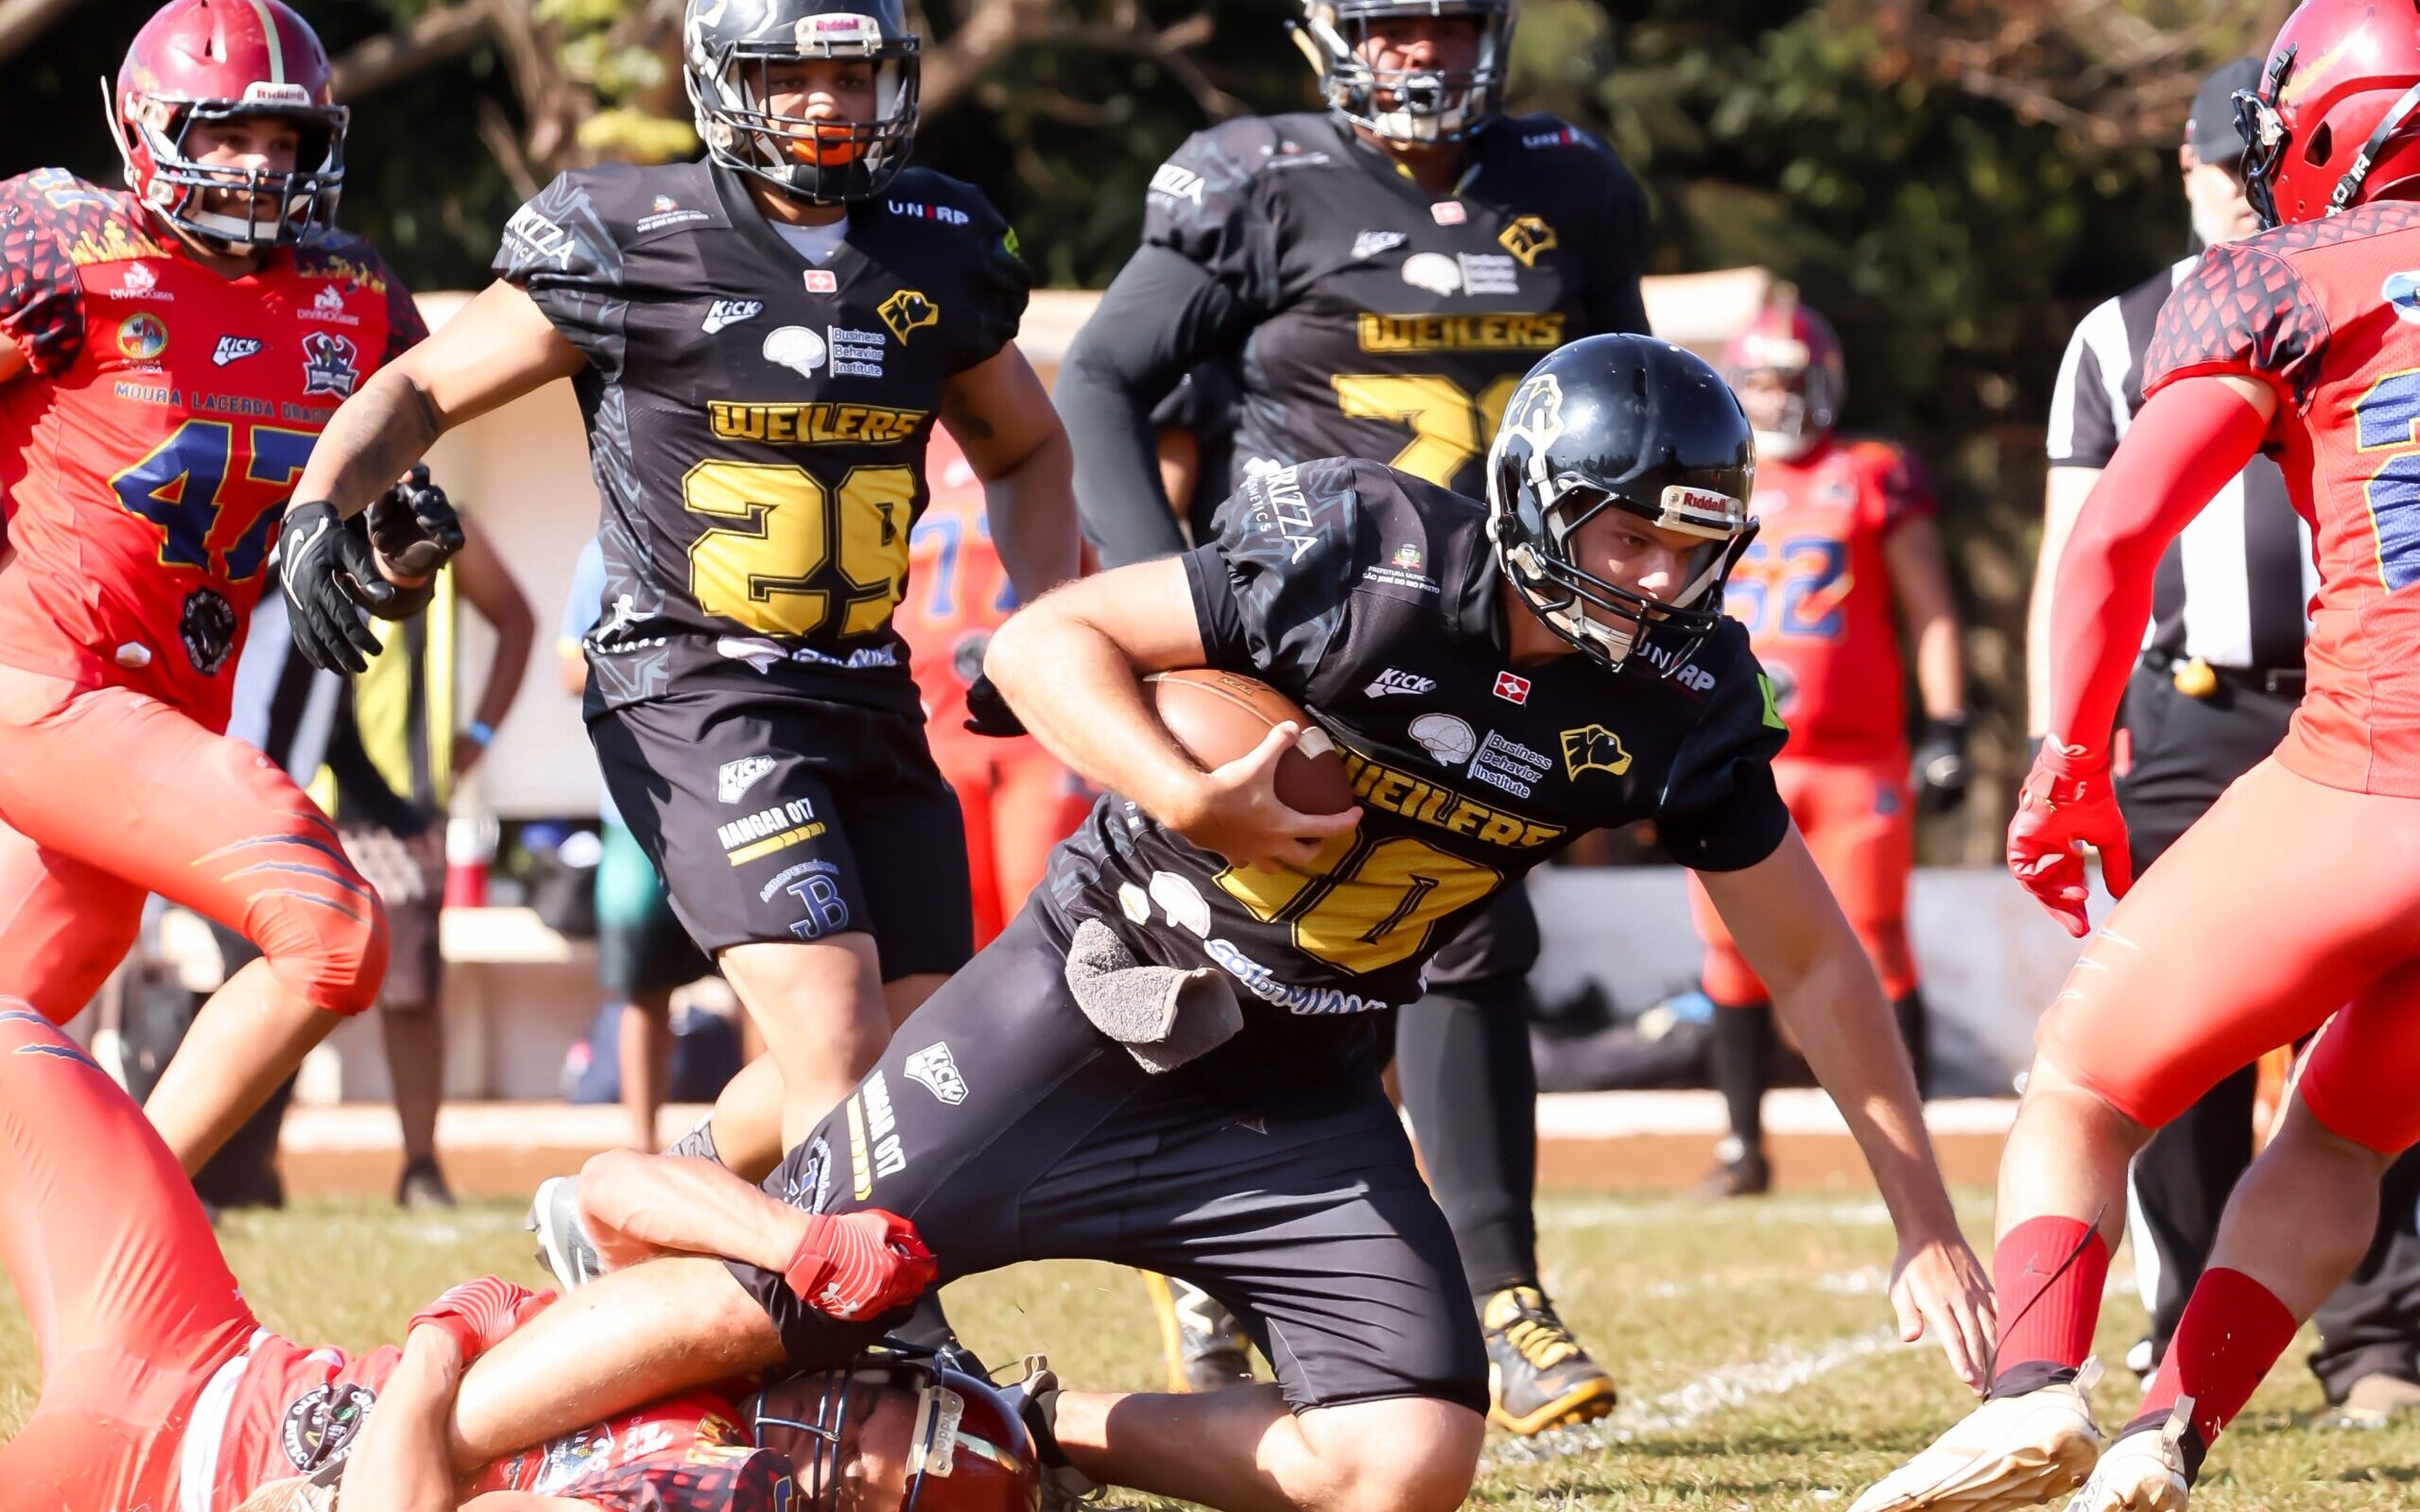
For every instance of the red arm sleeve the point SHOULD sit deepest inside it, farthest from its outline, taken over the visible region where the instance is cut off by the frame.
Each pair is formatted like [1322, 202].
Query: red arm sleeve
[2184, 445]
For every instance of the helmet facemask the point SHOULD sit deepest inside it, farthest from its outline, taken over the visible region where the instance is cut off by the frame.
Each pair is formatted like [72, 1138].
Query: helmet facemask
[2265, 138]
[831, 161]
[1810, 401]
[1414, 106]
[152, 133]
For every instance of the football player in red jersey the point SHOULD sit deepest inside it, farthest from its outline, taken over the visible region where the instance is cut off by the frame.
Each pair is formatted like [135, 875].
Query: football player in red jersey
[1019, 799]
[160, 1389]
[169, 353]
[2296, 893]
[1845, 537]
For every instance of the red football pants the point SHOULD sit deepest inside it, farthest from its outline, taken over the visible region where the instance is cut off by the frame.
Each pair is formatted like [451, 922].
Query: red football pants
[1859, 828]
[1019, 800]
[107, 795]
[2287, 901]
[133, 1306]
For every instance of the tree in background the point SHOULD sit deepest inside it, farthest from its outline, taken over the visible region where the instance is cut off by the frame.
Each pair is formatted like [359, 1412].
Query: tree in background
[1953, 182]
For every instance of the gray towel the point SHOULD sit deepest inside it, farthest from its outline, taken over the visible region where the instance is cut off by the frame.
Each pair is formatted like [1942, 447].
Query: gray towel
[1164, 1016]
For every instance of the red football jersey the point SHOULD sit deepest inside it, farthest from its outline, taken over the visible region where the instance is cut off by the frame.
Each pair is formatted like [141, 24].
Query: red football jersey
[2328, 312]
[148, 455]
[279, 1410]
[1814, 591]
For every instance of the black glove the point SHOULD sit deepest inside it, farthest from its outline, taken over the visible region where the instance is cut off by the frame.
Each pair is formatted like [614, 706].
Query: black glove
[413, 526]
[988, 714]
[1941, 770]
[330, 575]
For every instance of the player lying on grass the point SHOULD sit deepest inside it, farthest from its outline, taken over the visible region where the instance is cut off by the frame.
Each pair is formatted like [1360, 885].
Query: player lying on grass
[2296, 896]
[1579, 664]
[160, 1389]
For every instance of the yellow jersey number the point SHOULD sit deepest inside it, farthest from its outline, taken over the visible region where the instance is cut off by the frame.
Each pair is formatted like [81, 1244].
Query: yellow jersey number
[1363, 903]
[787, 528]
[1450, 426]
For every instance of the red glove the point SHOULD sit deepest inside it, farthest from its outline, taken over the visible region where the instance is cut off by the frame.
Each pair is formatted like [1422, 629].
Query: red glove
[479, 1314]
[859, 1265]
[2057, 809]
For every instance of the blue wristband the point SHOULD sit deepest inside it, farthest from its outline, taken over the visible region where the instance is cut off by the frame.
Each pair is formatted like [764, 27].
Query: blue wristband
[480, 731]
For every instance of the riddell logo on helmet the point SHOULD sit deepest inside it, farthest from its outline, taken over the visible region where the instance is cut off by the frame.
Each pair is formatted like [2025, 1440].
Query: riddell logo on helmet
[260, 91]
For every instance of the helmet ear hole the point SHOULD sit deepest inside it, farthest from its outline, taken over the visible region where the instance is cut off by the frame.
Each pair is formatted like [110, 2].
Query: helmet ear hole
[2320, 140]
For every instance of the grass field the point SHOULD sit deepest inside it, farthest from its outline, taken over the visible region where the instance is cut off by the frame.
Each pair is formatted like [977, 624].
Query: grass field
[1751, 1342]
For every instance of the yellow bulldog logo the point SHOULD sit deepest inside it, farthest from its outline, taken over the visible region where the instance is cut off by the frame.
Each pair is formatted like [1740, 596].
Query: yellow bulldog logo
[1526, 238]
[909, 310]
[1593, 748]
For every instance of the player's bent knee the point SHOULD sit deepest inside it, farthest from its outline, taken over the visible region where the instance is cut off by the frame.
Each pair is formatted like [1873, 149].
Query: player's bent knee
[328, 950]
[1409, 1455]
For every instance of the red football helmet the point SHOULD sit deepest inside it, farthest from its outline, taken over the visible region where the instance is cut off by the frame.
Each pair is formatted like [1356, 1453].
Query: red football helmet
[1798, 345]
[214, 60]
[2332, 123]
[893, 1418]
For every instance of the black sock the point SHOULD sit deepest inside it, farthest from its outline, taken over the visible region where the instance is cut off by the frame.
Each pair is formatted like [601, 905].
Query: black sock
[1462, 1060]
[1742, 1064]
[1909, 1012]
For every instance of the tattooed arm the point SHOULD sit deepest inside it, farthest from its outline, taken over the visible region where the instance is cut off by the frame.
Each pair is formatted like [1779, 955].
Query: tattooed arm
[1001, 417]
[496, 348]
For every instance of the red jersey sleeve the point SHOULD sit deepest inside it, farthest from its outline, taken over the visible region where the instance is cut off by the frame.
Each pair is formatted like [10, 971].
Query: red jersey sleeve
[1896, 489]
[41, 305]
[2242, 310]
[405, 328]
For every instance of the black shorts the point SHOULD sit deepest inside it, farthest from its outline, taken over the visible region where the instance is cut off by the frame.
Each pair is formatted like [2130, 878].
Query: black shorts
[1500, 940]
[1007, 1128]
[789, 820]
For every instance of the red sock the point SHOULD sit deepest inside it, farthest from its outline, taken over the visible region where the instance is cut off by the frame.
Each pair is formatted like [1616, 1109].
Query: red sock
[2047, 1274]
[2233, 1331]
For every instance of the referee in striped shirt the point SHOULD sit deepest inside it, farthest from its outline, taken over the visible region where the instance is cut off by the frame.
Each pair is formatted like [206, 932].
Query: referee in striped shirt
[2221, 671]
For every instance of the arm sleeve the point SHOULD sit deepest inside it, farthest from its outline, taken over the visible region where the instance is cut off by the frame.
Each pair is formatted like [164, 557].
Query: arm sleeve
[2241, 311]
[2187, 441]
[2084, 423]
[1271, 589]
[1162, 315]
[560, 250]
[1720, 810]
[41, 305]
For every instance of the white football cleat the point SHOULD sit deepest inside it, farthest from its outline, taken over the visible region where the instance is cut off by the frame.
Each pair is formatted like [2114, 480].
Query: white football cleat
[564, 1245]
[2142, 1472]
[2011, 1452]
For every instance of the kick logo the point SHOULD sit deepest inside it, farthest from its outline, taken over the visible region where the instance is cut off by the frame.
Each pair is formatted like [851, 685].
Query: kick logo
[1396, 681]
[723, 313]
[736, 778]
[934, 1069]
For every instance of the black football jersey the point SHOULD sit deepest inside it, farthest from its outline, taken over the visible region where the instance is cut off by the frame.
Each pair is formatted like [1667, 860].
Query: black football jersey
[756, 422]
[1388, 322]
[1373, 599]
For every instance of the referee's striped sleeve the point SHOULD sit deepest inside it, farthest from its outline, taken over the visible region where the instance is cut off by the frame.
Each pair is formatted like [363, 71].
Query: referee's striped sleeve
[2084, 423]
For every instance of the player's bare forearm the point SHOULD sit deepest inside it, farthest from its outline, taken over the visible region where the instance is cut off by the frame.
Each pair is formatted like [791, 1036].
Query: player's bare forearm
[1001, 417]
[1920, 579]
[1071, 665]
[1790, 929]
[383, 428]
[622, 1340]
[640, 1206]
[401, 1463]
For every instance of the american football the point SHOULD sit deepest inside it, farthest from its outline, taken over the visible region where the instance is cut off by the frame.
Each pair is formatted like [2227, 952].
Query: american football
[1217, 716]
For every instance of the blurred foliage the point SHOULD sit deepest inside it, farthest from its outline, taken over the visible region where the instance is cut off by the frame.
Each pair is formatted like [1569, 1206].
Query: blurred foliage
[1953, 182]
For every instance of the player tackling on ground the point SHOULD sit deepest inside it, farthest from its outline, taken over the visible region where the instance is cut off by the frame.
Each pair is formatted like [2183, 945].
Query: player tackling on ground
[1584, 650]
[168, 354]
[2297, 893]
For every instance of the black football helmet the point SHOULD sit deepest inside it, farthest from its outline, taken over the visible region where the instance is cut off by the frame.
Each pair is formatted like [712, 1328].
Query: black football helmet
[967, 1447]
[1621, 422]
[1411, 106]
[729, 48]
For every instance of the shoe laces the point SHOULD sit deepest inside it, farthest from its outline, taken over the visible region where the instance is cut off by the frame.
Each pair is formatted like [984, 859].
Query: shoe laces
[1535, 1333]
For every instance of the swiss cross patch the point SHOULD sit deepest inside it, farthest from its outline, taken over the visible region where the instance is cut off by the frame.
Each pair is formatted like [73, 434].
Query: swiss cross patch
[1512, 689]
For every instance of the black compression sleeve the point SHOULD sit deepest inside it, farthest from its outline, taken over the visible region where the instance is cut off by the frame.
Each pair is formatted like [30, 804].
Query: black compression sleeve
[1161, 315]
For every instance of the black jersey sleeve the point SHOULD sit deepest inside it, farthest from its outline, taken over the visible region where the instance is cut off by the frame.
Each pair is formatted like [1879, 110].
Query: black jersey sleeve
[561, 250]
[1720, 810]
[1161, 315]
[1271, 589]
[1204, 205]
[998, 284]
[1625, 235]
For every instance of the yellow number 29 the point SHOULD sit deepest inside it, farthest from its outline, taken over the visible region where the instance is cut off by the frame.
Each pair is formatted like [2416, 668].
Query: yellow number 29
[786, 527]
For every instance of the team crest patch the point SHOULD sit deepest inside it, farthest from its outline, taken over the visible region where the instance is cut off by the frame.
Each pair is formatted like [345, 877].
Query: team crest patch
[1526, 238]
[936, 1070]
[2402, 292]
[572, 1456]
[141, 337]
[321, 1426]
[908, 310]
[1593, 748]
[207, 627]
[329, 366]
[1535, 414]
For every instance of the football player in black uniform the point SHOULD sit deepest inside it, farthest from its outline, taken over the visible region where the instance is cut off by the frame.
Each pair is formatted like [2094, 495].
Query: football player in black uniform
[1388, 270]
[761, 343]
[1578, 673]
